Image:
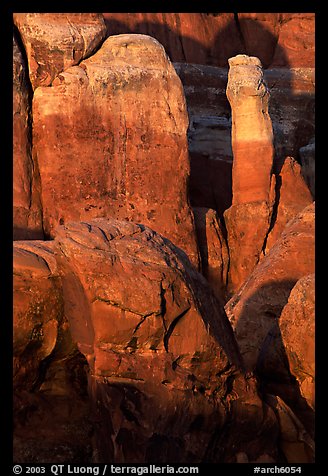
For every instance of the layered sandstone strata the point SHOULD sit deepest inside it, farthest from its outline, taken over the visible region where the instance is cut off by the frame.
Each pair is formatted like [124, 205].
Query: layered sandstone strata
[127, 154]
[55, 41]
[253, 187]
[27, 212]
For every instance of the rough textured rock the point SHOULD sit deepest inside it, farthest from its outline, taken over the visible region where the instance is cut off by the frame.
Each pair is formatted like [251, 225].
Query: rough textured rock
[213, 249]
[296, 41]
[307, 158]
[51, 408]
[292, 196]
[38, 311]
[278, 39]
[297, 326]
[291, 109]
[27, 216]
[294, 441]
[56, 41]
[164, 346]
[191, 37]
[131, 134]
[254, 310]
[248, 218]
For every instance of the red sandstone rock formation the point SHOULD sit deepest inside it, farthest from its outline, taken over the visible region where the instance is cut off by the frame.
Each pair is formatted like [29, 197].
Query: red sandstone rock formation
[277, 39]
[27, 216]
[110, 135]
[127, 155]
[38, 309]
[213, 249]
[248, 219]
[258, 304]
[51, 411]
[155, 337]
[55, 41]
[296, 43]
[255, 310]
[292, 196]
[297, 322]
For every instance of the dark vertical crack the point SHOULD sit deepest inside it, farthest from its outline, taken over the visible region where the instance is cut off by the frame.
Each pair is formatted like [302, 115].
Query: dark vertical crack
[241, 36]
[172, 326]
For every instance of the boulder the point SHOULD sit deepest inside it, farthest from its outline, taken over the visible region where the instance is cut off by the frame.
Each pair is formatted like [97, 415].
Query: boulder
[248, 218]
[127, 154]
[27, 210]
[55, 41]
[155, 337]
[297, 327]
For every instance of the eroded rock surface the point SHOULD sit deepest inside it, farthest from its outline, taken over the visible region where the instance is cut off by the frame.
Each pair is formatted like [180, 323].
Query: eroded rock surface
[27, 214]
[255, 308]
[56, 41]
[292, 196]
[156, 337]
[297, 326]
[51, 408]
[130, 141]
[278, 39]
[213, 249]
[248, 218]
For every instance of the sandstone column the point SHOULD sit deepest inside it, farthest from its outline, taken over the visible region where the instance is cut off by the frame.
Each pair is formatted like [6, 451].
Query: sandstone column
[248, 219]
[110, 137]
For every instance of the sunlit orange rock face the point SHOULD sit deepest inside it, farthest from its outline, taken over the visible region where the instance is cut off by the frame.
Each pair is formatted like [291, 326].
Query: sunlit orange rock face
[123, 351]
[159, 346]
[248, 218]
[127, 155]
[55, 41]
